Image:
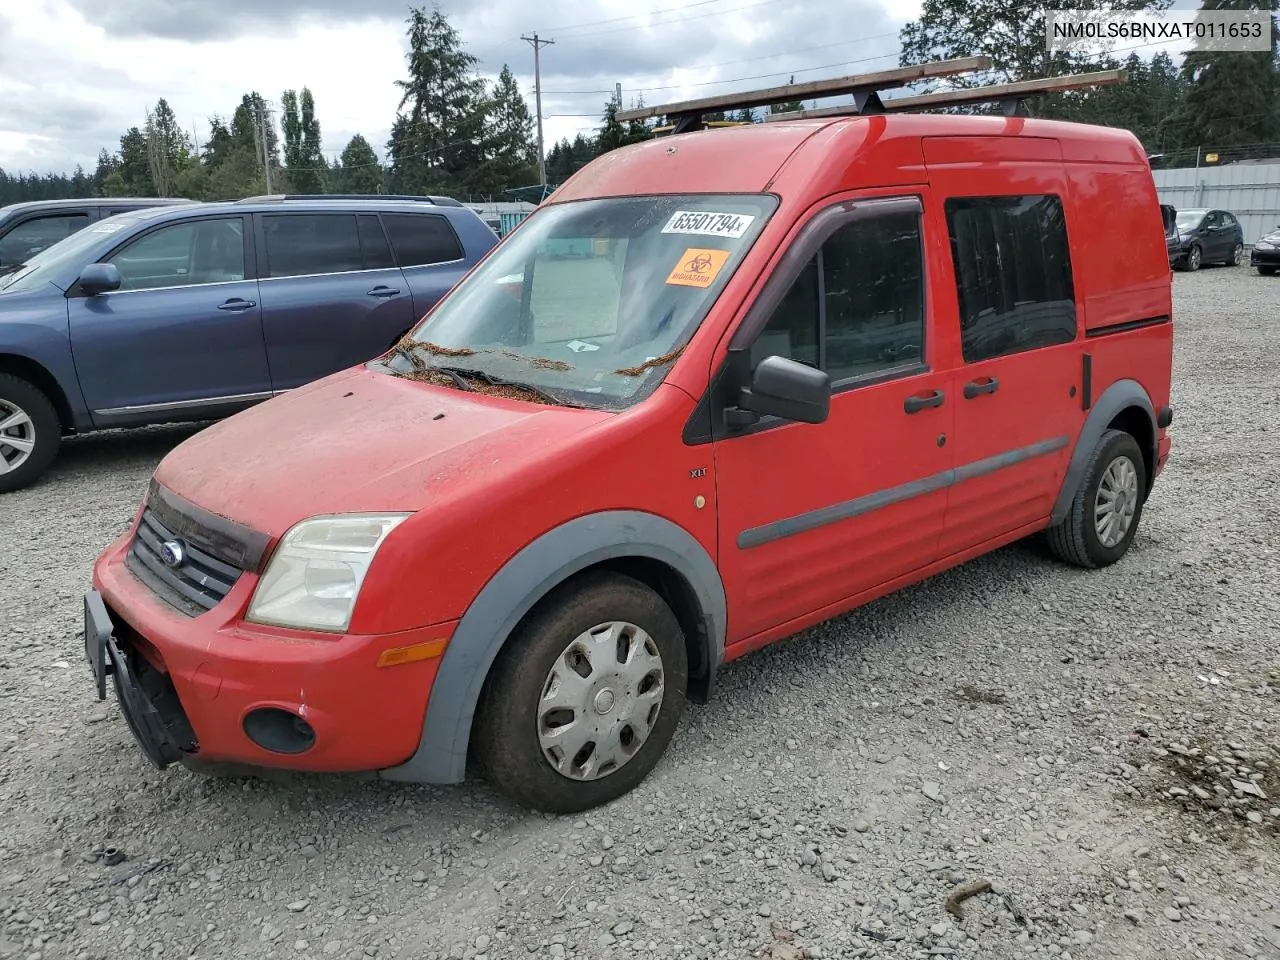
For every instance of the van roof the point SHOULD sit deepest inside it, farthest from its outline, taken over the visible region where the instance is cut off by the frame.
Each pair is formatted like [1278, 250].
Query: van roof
[756, 158]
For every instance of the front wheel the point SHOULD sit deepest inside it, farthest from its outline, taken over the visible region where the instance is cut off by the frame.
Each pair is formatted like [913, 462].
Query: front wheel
[1267, 271]
[1104, 514]
[582, 703]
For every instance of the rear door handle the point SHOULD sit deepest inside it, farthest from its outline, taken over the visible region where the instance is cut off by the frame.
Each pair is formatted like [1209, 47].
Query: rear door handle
[383, 291]
[237, 303]
[918, 403]
[976, 388]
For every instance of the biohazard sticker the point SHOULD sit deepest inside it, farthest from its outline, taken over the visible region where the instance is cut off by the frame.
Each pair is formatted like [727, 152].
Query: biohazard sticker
[731, 226]
[698, 268]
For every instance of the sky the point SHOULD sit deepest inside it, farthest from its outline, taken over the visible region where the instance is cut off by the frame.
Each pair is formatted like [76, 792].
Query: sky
[75, 74]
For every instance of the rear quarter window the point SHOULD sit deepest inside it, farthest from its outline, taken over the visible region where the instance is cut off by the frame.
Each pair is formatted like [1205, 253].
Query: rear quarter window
[421, 239]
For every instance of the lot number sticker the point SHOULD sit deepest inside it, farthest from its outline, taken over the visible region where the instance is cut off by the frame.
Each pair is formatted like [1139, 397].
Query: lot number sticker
[729, 225]
[698, 268]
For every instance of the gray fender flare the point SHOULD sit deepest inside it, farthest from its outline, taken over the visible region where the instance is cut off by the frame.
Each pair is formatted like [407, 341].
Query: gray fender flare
[1119, 396]
[525, 579]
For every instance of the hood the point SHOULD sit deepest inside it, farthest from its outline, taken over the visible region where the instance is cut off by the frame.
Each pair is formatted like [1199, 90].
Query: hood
[359, 441]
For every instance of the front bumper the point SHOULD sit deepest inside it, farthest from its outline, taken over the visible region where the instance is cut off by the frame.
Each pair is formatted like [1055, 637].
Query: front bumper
[1265, 258]
[233, 692]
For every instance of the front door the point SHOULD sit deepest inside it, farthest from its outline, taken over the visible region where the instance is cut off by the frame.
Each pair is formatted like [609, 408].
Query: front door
[1012, 296]
[332, 295]
[182, 336]
[812, 515]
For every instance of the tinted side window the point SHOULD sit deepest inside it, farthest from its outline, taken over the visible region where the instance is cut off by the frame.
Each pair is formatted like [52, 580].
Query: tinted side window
[200, 251]
[301, 244]
[1013, 274]
[32, 236]
[422, 238]
[861, 298]
[873, 286]
[374, 248]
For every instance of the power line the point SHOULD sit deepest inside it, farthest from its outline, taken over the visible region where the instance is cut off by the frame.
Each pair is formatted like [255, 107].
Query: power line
[635, 16]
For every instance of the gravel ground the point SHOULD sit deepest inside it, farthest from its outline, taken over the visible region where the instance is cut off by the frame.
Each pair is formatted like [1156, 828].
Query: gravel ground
[1101, 748]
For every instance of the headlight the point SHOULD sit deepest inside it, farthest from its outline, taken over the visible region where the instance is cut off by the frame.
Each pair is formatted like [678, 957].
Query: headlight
[314, 577]
[1263, 245]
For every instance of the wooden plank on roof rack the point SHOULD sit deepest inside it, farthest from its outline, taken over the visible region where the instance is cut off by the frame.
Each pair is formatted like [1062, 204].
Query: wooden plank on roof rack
[972, 95]
[852, 84]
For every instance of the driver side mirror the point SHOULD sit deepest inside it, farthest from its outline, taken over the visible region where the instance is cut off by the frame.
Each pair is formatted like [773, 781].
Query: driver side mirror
[783, 388]
[99, 278]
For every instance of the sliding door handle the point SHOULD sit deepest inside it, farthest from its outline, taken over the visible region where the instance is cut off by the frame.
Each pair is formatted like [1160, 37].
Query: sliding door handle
[917, 403]
[976, 388]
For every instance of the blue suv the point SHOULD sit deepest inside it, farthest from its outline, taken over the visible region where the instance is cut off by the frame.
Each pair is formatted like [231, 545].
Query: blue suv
[196, 312]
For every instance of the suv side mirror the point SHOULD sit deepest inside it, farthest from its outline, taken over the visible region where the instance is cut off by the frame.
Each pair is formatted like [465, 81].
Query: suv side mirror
[784, 388]
[99, 278]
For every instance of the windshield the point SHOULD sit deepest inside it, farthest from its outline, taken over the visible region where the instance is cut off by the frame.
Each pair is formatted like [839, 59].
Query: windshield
[589, 302]
[1189, 218]
[51, 261]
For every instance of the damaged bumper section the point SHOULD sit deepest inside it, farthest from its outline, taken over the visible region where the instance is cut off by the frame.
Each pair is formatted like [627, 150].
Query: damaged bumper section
[227, 691]
[146, 696]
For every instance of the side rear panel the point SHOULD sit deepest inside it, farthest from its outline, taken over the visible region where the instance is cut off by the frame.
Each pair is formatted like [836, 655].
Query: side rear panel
[1124, 276]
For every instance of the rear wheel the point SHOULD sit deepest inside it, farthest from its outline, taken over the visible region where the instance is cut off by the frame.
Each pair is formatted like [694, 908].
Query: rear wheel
[30, 433]
[583, 701]
[1105, 512]
[1236, 255]
[1193, 257]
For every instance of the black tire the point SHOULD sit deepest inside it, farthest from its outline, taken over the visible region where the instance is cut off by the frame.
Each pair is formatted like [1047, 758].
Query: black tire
[505, 740]
[1192, 262]
[1075, 540]
[45, 430]
[1267, 271]
[1237, 255]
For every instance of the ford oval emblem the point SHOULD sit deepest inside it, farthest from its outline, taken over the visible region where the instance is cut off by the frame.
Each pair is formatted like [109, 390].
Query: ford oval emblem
[172, 553]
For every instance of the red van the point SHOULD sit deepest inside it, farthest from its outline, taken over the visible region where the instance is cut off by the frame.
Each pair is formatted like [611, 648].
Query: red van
[721, 387]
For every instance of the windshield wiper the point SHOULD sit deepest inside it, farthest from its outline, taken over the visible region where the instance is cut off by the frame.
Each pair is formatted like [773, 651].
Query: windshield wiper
[8, 268]
[493, 381]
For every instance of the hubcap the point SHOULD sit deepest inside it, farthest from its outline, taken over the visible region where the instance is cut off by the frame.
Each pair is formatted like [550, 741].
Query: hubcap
[17, 436]
[1117, 501]
[600, 701]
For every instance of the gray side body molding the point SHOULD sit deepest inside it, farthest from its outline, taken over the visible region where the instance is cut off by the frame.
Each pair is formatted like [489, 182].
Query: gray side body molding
[1117, 397]
[526, 578]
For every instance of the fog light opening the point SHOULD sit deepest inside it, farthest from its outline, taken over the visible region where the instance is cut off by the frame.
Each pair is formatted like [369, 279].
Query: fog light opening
[279, 730]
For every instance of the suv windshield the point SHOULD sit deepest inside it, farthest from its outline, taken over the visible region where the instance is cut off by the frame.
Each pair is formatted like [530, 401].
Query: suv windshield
[51, 261]
[588, 302]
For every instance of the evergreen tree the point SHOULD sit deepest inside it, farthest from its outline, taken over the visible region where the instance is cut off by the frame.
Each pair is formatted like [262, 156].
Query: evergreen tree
[304, 163]
[359, 170]
[791, 106]
[168, 148]
[515, 154]
[437, 137]
[1232, 99]
[1011, 32]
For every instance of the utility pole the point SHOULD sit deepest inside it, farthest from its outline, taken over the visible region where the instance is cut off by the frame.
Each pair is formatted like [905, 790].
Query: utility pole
[537, 89]
[618, 89]
[263, 113]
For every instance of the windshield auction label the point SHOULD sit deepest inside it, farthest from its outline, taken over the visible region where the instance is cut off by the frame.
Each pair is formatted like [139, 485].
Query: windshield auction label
[729, 225]
[698, 268]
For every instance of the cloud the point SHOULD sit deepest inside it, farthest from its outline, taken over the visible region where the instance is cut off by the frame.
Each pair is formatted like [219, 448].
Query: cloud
[76, 74]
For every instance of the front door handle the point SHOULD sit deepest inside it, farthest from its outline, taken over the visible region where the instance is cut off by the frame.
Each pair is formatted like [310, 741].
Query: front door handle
[383, 291]
[917, 403]
[237, 303]
[976, 388]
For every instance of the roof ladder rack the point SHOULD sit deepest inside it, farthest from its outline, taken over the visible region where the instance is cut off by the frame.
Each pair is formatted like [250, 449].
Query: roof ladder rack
[865, 88]
[1011, 96]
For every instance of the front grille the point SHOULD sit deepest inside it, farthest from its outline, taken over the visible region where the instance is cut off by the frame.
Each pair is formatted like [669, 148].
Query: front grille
[214, 552]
